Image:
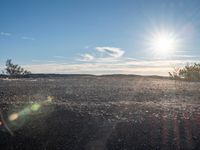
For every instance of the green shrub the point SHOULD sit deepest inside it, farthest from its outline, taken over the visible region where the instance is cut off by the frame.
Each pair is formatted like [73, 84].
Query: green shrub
[190, 72]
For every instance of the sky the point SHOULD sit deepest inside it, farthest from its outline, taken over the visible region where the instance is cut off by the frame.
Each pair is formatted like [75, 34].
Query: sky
[147, 37]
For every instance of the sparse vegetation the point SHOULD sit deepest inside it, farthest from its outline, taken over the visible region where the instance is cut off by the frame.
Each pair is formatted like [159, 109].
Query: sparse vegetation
[191, 72]
[14, 69]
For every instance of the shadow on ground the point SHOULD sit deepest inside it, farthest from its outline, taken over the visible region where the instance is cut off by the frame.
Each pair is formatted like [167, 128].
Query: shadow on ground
[67, 129]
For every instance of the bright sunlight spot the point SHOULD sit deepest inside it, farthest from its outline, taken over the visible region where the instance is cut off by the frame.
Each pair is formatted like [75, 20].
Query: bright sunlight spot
[35, 107]
[13, 116]
[163, 43]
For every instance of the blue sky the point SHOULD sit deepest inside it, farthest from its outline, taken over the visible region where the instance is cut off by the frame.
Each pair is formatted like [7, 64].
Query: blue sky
[98, 36]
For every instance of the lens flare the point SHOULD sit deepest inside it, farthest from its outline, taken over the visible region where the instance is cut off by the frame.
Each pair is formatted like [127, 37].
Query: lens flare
[35, 107]
[25, 111]
[13, 117]
[49, 99]
[18, 119]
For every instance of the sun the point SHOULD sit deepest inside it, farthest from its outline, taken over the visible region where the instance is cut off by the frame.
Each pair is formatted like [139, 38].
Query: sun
[163, 43]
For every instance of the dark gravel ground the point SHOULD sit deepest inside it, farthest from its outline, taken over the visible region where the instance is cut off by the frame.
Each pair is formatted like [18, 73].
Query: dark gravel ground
[100, 113]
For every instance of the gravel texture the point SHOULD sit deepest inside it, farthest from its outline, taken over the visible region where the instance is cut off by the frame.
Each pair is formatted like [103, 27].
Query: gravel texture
[100, 113]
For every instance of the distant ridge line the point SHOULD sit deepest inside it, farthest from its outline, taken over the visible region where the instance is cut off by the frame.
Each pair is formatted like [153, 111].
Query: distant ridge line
[40, 75]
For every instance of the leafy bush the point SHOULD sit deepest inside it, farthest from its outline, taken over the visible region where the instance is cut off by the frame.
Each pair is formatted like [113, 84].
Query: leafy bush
[14, 69]
[190, 72]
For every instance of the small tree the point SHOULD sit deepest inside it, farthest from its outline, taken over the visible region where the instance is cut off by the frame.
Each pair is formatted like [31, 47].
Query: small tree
[14, 69]
[190, 72]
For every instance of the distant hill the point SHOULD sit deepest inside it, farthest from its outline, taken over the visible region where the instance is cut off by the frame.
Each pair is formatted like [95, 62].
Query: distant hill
[43, 75]
[77, 75]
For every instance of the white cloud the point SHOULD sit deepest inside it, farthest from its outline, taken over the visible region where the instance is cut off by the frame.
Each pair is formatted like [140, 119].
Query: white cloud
[86, 57]
[112, 55]
[5, 34]
[111, 51]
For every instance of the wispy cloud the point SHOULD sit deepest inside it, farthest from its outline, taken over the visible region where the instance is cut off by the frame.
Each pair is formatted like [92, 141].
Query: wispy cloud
[185, 57]
[111, 51]
[103, 54]
[112, 63]
[125, 66]
[60, 57]
[43, 61]
[27, 38]
[22, 37]
[5, 34]
[86, 57]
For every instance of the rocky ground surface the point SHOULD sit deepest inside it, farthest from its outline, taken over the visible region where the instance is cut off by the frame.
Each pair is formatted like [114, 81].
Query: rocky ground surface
[99, 113]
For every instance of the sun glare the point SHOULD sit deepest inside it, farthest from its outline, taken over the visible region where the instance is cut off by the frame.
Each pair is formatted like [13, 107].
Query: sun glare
[163, 43]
